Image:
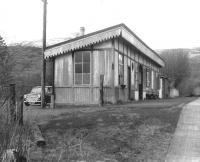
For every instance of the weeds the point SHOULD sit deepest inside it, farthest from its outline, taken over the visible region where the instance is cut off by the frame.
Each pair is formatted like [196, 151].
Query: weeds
[12, 135]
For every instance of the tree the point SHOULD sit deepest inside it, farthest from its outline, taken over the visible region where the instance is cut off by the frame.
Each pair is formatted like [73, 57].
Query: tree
[5, 63]
[177, 67]
[26, 67]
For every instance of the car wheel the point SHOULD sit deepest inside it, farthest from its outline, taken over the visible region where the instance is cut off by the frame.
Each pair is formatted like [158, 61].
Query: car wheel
[27, 104]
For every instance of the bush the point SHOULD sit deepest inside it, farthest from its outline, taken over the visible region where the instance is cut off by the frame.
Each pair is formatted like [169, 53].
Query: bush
[13, 136]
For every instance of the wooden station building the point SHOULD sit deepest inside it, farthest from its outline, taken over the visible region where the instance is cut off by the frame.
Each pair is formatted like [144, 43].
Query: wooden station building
[130, 68]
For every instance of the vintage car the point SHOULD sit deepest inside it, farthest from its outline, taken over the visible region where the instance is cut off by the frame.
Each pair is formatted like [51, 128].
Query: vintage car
[34, 97]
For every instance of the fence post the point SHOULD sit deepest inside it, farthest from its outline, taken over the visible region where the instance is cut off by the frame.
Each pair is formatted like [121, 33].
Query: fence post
[101, 89]
[52, 102]
[12, 103]
[21, 111]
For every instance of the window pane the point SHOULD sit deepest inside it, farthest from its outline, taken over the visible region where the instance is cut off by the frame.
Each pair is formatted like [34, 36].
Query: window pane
[78, 68]
[120, 59]
[86, 57]
[120, 69]
[86, 67]
[86, 78]
[78, 57]
[78, 78]
[121, 74]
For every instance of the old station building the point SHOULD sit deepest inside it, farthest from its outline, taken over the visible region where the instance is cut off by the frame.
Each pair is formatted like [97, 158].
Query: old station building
[130, 68]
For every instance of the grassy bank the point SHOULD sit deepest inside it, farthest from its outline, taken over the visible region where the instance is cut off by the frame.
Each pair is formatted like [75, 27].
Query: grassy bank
[125, 133]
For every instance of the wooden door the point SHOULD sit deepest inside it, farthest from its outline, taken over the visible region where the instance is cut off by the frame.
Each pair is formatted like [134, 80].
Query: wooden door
[129, 83]
[140, 84]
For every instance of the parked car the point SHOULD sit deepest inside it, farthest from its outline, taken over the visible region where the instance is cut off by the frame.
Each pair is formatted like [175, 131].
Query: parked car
[34, 97]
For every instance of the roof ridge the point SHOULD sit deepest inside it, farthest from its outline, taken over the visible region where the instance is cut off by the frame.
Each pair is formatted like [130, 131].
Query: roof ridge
[86, 35]
[119, 30]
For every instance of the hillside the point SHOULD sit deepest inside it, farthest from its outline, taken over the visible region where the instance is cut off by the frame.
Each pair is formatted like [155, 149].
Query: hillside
[26, 68]
[26, 60]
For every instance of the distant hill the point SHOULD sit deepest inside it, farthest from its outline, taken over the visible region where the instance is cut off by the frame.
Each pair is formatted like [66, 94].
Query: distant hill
[193, 53]
[26, 69]
[26, 60]
[38, 43]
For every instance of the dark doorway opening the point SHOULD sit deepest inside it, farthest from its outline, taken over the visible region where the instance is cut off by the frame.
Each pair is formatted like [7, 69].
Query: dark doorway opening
[129, 82]
[140, 82]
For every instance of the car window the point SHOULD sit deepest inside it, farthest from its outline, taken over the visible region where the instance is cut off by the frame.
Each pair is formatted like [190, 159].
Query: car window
[36, 90]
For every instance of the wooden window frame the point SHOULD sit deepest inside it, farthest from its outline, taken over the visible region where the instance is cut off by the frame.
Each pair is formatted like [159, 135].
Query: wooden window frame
[148, 82]
[121, 65]
[82, 84]
[136, 75]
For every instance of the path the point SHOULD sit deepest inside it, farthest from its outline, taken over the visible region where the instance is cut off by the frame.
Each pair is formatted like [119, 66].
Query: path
[185, 146]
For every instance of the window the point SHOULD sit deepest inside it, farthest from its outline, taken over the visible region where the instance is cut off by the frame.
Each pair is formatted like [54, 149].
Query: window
[82, 67]
[152, 79]
[136, 75]
[148, 78]
[121, 69]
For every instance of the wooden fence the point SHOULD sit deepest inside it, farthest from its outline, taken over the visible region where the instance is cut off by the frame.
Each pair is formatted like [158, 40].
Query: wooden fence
[11, 106]
[12, 131]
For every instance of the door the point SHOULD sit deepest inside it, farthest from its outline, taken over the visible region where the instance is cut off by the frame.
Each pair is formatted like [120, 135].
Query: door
[129, 82]
[140, 83]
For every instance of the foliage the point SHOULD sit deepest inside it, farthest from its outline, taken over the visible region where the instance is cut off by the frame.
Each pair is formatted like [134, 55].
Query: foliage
[13, 136]
[177, 65]
[26, 69]
[193, 82]
[182, 68]
[5, 63]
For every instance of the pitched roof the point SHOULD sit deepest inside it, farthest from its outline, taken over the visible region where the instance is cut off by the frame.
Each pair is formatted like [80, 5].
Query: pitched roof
[120, 30]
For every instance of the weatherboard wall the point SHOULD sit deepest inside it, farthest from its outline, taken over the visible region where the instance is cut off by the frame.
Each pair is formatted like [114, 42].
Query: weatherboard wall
[67, 92]
[104, 61]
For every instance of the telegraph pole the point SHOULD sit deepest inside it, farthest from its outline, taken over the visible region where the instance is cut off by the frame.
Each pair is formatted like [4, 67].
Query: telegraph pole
[43, 74]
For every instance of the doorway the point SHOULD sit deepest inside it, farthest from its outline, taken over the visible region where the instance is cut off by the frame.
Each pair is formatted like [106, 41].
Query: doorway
[129, 82]
[140, 82]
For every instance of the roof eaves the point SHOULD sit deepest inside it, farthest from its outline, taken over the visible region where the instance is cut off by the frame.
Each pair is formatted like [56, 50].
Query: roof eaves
[83, 41]
[85, 36]
[81, 38]
[142, 42]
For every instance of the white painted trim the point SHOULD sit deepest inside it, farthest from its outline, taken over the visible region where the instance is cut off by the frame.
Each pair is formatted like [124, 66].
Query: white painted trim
[81, 43]
[103, 36]
[138, 44]
[136, 95]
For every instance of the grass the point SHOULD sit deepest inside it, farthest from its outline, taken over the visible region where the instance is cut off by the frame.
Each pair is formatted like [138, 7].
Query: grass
[125, 133]
[13, 136]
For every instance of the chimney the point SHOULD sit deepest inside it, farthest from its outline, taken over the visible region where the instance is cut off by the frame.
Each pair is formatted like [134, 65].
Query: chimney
[82, 31]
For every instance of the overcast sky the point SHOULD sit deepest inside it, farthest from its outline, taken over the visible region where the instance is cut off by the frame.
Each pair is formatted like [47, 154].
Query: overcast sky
[159, 23]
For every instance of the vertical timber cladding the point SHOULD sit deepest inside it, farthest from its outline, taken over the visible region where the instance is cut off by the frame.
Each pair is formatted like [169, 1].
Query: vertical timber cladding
[117, 53]
[133, 59]
[144, 81]
[103, 65]
[101, 62]
[125, 90]
[132, 55]
[130, 60]
[96, 76]
[64, 79]
[66, 88]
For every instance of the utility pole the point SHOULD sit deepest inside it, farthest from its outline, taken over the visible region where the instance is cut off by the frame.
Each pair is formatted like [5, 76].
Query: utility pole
[43, 74]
